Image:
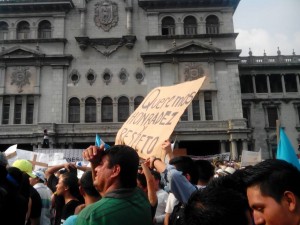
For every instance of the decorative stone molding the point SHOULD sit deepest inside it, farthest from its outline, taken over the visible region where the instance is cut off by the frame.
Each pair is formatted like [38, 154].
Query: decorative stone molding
[106, 46]
[20, 77]
[91, 76]
[193, 71]
[139, 75]
[123, 76]
[107, 76]
[74, 76]
[106, 14]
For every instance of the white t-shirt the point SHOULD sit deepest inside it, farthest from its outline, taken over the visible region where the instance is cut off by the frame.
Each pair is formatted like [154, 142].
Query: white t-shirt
[171, 202]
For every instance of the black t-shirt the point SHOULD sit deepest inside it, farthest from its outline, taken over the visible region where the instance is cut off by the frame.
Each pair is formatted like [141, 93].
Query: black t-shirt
[69, 209]
[36, 207]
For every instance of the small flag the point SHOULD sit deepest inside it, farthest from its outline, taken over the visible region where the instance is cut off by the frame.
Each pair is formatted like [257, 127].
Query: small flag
[99, 141]
[285, 150]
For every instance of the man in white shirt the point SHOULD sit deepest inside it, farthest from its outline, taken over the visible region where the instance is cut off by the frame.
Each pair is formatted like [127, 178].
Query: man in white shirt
[39, 184]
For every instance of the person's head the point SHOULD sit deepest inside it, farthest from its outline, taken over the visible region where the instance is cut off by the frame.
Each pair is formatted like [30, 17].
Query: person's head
[86, 185]
[205, 170]
[39, 177]
[117, 169]
[67, 185]
[25, 166]
[273, 191]
[187, 166]
[14, 178]
[220, 203]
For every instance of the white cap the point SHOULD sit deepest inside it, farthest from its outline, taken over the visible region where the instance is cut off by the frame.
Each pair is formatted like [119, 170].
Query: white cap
[40, 174]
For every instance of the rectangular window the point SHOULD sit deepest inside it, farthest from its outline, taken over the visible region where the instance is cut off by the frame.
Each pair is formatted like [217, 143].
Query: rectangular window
[246, 84]
[18, 110]
[184, 116]
[298, 111]
[246, 115]
[208, 106]
[275, 83]
[3, 35]
[196, 110]
[29, 109]
[272, 116]
[290, 83]
[5, 110]
[261, 83]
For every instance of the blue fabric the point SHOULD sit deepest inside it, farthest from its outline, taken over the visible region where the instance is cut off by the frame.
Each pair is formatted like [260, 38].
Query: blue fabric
[178, 184]
[71, 220]
[99, 141]
[285, 150]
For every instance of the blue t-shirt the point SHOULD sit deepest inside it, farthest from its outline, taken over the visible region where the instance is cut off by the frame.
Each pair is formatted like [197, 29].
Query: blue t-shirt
[71, 220]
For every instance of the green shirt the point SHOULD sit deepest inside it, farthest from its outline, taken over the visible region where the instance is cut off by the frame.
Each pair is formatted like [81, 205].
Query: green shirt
[120, 207]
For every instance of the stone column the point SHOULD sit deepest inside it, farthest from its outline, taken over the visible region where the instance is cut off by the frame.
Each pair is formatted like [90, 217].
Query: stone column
[298, 83]
[283, 84]
[179, 28]
[24, 106]
[245, 145]
[268, 83]
[82, 112]
[2, 78]
[36, 109]
[115, 110]
[233, 149]
[223, 146]
[129, 24]
[98, 110]
[82, 22]
[254, 84]
[1, 111]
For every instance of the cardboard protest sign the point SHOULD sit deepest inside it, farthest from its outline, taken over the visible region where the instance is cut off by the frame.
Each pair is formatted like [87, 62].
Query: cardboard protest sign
[250, 158]
[156, 117]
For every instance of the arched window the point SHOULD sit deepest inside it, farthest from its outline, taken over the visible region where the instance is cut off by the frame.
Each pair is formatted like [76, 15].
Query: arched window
[44, 30]
[3, 31]
[90, 110]
[190, 25]
[107, 110]
[23, 30]
[212, 25]
[18, 110]
[168, 26]
[74, 110]
[137, 101]
[123, 109]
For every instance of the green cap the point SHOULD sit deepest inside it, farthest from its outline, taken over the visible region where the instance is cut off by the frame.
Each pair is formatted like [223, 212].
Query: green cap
[25, 166]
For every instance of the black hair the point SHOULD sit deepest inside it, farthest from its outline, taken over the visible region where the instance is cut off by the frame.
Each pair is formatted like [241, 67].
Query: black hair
[128, 159]
[187, 166]
[142, 179]
[273, 177]
[218, 204]
[70, 180]
[86, 182]
[205, 170]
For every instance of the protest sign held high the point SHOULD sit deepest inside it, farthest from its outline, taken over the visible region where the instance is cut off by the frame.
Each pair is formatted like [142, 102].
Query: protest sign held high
[156, 117]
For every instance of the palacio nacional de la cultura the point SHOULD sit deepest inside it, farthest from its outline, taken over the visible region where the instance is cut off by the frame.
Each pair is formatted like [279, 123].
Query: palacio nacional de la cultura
[81, 67]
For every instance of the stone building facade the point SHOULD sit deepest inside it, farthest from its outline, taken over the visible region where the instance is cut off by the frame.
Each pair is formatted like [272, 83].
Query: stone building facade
[81, 67]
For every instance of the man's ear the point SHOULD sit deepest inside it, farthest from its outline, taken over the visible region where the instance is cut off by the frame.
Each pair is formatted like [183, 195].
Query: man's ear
[291, 200]
[188, 177]
[116, 170]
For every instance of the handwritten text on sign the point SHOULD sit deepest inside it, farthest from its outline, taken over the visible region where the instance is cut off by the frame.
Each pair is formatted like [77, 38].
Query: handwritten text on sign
[156, 117]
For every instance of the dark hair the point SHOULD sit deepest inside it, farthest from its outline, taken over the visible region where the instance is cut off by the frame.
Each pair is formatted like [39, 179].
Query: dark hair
[71, 180]
[86, 182]
[142, 179]
[217, 204]
[273, 177]
[187, 166]
[205, 170]
[128, 160]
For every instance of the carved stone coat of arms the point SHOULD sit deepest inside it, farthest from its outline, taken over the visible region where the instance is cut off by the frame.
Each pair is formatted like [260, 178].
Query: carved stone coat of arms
[106, 14]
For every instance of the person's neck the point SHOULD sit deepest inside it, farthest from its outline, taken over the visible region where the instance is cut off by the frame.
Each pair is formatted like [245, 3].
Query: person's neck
[68, 197]
[90, 200]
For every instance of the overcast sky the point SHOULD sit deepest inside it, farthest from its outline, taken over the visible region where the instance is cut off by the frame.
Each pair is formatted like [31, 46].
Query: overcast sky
[266, 25]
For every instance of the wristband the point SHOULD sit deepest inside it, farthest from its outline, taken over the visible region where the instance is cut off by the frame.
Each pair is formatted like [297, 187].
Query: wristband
[152, 165]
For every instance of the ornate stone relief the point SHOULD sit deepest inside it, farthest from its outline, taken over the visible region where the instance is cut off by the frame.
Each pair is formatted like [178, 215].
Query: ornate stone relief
[74, 76]
[139, 75]
[107, 76]
[123, 75]
[91, 76]
[193, 71]
[20, 77]
[106, 14]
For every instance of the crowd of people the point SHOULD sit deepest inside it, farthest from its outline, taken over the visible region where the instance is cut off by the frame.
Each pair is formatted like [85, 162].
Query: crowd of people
[121, 189]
